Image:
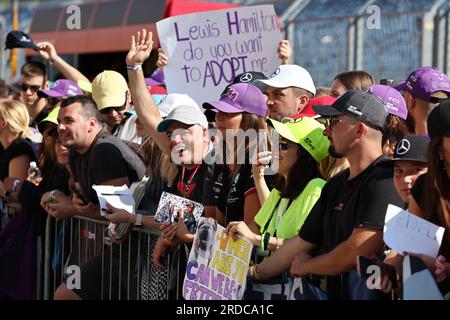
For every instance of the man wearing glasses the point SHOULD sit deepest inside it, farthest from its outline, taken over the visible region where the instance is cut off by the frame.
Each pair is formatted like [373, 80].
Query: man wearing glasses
[110, 93]
[348, 219]
[34, 78]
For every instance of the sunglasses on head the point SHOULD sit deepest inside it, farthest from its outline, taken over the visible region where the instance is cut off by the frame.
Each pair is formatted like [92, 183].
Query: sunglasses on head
[109, 109]
[24, 87]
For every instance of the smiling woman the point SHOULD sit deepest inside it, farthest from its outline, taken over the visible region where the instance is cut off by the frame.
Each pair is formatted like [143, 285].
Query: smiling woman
[18, 151]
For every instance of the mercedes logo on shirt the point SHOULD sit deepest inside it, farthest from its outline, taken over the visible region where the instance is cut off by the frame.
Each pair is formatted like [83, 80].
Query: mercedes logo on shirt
[246, 77]
[403, 147]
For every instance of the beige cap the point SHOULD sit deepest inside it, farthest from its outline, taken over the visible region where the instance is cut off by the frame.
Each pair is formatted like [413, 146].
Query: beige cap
[109, 89]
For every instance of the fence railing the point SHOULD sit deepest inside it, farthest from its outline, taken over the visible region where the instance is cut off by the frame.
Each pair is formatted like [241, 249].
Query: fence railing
[125, 268]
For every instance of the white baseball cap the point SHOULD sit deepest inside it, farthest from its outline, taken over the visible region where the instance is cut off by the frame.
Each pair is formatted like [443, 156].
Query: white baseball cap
[187, 114]
[174, 100]
[288, 75]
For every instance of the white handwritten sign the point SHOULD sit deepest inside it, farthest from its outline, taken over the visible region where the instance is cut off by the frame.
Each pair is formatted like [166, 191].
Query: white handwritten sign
[207, 50]
[406, 232]
[217, 265]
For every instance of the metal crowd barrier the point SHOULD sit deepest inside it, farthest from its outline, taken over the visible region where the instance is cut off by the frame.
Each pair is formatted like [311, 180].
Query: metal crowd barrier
[75, 241]
[9, 211]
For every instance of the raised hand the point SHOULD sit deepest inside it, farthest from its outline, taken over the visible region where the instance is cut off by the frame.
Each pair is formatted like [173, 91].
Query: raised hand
[141, 47]
[163, 60]
[284, 51]
[46, 50]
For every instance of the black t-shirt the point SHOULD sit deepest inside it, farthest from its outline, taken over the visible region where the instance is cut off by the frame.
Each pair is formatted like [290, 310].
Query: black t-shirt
[200, 187]
[348, 204]
[107, 158]
[41, 116]
[230, 195]
[17, 148]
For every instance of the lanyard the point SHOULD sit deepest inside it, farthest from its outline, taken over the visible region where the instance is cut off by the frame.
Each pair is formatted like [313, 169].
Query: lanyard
[184, 188]
[281, 210]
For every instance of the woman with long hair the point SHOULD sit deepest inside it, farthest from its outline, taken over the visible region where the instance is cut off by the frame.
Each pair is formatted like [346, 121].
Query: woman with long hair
[302, 146]
[430, 199]
[431, 193]
[18, 150]
[240, 114]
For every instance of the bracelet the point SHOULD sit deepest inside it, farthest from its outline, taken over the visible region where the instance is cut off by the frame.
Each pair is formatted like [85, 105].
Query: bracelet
[53, 195]
[52, 60]
[138, 220]
[136, 67]
[15, 184]
[261, 245]
[255, 274]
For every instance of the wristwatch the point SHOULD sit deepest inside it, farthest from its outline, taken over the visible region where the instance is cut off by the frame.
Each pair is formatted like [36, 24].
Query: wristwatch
[138, 220]
[53, 195]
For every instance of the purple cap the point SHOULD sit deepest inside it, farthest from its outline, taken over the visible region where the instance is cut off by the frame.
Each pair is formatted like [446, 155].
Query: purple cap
[400, 85]
[240, 97]
[62, 88]
[393, 99]
[156, 79]
[423, 81]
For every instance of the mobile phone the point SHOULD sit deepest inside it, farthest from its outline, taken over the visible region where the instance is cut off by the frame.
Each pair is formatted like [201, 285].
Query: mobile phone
[262, 143]
[363, 264]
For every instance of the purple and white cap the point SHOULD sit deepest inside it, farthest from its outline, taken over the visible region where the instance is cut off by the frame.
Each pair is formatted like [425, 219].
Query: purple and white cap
[423, 81]
[392, 98]
[62, 88]
[240, 97]
[156, 79]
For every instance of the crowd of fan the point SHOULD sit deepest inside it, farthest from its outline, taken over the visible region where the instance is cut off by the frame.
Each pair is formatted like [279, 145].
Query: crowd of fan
[342, 156]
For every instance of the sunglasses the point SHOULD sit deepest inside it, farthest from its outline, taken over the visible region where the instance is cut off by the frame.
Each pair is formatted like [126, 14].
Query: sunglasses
[24, 87]
[332, 122]
[283, 146]
[109, 109]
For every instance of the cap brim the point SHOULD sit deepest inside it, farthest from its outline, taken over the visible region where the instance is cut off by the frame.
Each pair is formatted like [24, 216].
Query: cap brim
[110, 102]
[263, 84]
[389, 163]
[221, 106]
[85, 86]
[326, 111]
[151, 82]
[162, 126]
[282, 130]
[50, 93]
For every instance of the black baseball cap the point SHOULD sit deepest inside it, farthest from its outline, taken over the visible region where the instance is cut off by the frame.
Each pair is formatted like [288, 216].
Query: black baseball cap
[19, 39]
[246, 77]
[362, 105]
[409, 148]
[439, 120]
